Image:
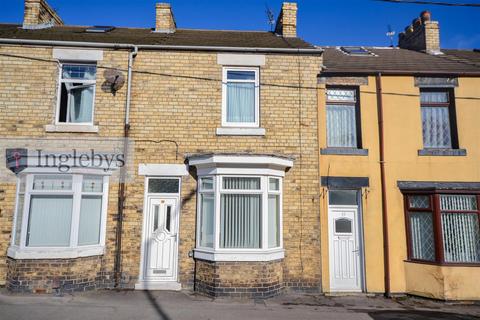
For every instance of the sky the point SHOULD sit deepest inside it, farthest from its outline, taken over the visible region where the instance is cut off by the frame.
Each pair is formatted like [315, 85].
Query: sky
[321, 22]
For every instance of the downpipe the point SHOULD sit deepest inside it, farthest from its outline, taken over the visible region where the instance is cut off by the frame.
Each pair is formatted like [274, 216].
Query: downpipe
[123, 174]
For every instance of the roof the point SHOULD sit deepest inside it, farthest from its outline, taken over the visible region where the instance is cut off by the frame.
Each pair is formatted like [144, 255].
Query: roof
[392, 60]
[137, 36]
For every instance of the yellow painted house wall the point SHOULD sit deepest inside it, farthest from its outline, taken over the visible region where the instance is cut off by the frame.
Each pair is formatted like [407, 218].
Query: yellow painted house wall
[403, 139]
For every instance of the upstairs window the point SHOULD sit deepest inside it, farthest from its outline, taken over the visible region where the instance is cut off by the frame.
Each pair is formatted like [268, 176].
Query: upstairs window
[240, 105]
[438, 119]
[343, 118]
[76, 93]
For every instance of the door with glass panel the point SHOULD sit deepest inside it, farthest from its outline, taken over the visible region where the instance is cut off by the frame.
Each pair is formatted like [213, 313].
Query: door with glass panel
[345, 247]
[161, 240]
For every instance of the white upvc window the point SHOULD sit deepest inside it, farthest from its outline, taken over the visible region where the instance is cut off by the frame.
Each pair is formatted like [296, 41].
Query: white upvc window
[240, 217]
[240, 97]
[59, 215]
[76, 93]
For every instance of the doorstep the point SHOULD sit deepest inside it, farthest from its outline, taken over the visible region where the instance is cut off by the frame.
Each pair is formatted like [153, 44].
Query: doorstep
[158, 285]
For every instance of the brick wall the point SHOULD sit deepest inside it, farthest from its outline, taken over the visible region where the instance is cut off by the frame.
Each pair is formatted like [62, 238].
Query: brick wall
[239, 279]
[64, 275]
[177, 96]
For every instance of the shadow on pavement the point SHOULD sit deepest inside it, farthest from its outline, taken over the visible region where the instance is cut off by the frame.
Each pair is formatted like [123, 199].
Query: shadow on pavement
[418, 315]
[156, 305]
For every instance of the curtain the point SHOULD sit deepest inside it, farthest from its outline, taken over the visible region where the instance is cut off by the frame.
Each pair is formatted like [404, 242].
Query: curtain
[50, 221]
[436, 127]
[90, 220]
[433, 97]
[240, 219]
[80, 102]
[422, 237]
[273, 221]
[240, 102]
[207, 220]
[461, 238]
[461, 234]
[341, 126]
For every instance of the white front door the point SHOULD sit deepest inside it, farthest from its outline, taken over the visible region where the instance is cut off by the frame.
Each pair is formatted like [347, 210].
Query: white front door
[345, 249]
[160, 236]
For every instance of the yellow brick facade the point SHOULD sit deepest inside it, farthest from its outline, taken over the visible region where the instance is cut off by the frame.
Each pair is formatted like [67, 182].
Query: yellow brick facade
[176, 96]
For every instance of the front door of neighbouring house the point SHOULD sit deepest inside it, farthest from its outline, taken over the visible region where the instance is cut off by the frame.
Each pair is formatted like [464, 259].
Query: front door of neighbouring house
[345, 248]
[161, 251]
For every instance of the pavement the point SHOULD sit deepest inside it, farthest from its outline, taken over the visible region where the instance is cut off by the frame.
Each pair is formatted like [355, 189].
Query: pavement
[163, 305]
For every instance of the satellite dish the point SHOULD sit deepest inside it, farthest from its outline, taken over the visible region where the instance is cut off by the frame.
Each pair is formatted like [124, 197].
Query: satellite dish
[114, 78]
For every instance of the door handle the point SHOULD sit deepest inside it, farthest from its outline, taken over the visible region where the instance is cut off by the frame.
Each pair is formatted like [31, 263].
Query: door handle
[356, 250]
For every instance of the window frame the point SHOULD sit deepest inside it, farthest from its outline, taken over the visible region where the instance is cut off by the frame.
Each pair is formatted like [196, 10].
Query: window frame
[435, 210]
[217, 192]
[452, 115]
[225, 81]
[358, 118]
[73, 249]
[59, 91]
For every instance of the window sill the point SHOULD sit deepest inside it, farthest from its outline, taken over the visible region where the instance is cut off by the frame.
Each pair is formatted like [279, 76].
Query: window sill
[442, 152]
[71, 128]
[240, 131]
[344, 151]
[445, 264]
[54, 253]
[250, 255]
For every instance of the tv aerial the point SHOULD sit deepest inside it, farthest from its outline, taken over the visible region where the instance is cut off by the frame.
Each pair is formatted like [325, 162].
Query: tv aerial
[270, 17]
[390, 34]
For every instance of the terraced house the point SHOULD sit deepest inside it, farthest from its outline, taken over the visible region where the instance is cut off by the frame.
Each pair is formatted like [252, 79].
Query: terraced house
[219, 131]
[399, 167]
[236, 163]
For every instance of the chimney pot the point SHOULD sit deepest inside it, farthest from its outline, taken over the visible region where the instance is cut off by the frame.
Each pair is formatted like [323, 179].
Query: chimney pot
[422, 35]
[164, 20]
[287, 20]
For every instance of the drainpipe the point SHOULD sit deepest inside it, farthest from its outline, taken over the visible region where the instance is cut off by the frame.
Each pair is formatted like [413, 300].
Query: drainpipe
[386, 250]
[123, 173]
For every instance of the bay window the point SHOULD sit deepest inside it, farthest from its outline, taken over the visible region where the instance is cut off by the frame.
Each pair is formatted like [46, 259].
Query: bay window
[443, 227]
[59, 215]
[239, 207]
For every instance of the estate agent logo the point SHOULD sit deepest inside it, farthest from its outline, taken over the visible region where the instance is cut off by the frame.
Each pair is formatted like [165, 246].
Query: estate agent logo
[16, 159]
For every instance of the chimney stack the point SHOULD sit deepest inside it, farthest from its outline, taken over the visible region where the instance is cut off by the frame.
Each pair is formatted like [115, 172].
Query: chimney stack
[164, 22]
[422, 35]
[38, 14]
[287, 20]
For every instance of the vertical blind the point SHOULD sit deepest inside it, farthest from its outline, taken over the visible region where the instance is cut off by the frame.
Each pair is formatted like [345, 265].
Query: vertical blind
[240, 220]
[90, 220]
[422, 236]
[460, 230]
[240, 214]
[50, 221]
